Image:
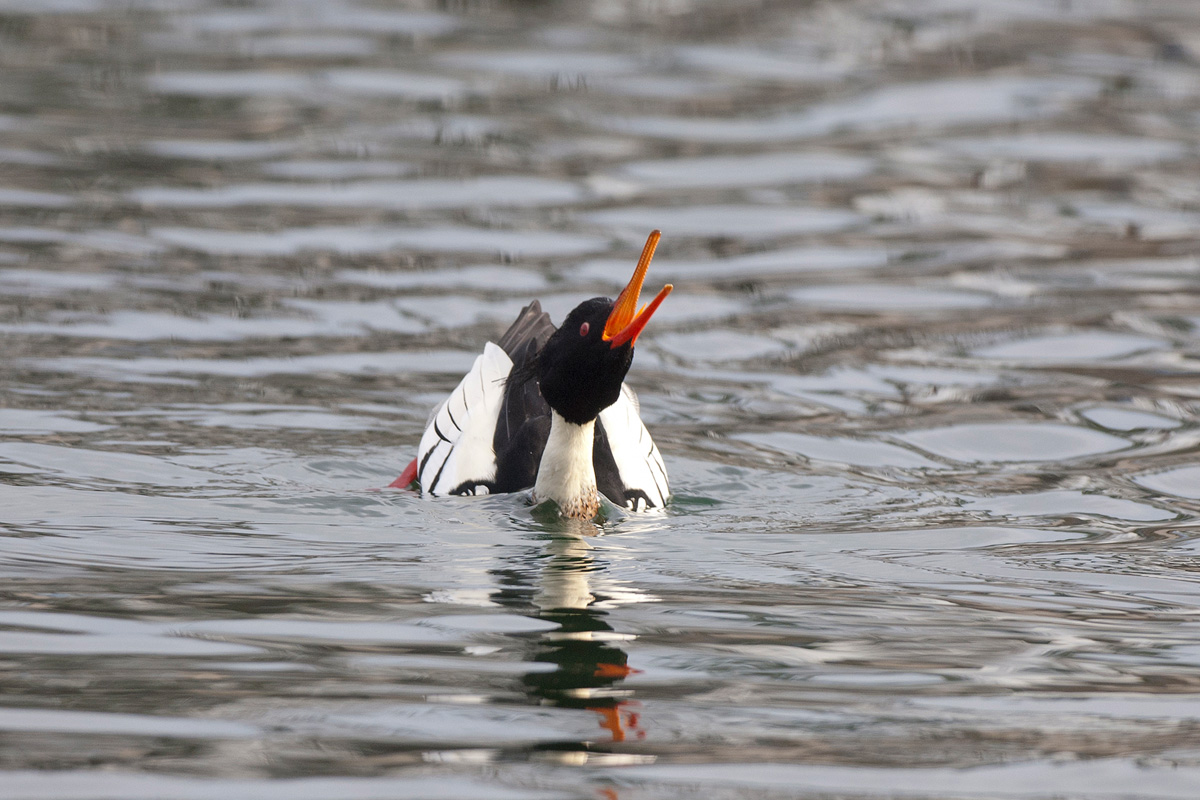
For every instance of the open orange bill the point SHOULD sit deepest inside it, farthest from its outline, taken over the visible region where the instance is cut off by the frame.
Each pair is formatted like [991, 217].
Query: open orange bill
[623, 324]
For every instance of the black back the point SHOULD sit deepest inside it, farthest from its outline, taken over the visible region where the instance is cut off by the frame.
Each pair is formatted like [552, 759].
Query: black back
[522, 400]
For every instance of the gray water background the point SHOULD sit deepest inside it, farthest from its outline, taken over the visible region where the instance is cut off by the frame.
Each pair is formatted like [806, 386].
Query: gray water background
[927, 389]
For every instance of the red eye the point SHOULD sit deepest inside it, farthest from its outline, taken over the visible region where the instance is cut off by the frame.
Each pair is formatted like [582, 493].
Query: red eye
[583, 329]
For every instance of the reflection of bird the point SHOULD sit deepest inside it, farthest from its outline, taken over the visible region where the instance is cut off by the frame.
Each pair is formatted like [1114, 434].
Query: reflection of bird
[589, 668]
[549, 409]
[590, 665]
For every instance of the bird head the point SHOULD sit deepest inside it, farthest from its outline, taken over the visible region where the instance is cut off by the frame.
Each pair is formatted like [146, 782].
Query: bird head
[583, 364]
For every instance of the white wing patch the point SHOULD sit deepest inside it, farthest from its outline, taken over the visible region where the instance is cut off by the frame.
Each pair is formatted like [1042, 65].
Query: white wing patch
[457, 445]
[638, 461]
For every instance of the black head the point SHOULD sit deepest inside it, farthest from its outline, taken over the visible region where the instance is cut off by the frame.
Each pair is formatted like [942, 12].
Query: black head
[579, 371]
[581, 368]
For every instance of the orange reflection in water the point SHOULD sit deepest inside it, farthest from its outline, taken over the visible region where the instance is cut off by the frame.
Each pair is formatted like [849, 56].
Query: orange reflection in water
[621, 720]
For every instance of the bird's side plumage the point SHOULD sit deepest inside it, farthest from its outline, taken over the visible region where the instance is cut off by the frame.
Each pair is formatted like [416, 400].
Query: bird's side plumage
[455, 455]
[640, 467]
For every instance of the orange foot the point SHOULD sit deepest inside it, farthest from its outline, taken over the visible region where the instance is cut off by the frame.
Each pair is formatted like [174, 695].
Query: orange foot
[406, 478]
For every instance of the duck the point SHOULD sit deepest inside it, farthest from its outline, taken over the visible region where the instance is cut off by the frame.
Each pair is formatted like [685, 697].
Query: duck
[547, 409]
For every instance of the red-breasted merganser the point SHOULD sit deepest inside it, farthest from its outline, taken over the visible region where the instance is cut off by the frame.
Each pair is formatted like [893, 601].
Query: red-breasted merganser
[548, 409]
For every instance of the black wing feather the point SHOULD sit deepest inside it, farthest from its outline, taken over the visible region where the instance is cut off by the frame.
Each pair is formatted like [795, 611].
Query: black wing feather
[517, 463]
[608, 478]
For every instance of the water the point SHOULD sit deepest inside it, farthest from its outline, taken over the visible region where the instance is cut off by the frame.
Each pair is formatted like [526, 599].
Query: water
[927, 389]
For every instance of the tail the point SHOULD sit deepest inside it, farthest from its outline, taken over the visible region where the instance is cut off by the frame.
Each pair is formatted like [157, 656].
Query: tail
[531, 325]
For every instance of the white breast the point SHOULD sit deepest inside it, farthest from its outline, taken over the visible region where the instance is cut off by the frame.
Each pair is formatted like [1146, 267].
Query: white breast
[566, 474]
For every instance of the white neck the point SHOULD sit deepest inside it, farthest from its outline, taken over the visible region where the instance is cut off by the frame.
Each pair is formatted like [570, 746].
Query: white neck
[566, 474]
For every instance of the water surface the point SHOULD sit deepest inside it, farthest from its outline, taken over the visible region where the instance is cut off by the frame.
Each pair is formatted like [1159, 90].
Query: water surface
[927, 390]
